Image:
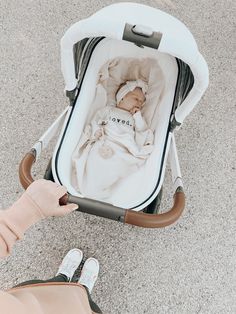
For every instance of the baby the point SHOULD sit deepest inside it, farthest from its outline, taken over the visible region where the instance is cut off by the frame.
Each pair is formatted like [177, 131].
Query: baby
[115, 144]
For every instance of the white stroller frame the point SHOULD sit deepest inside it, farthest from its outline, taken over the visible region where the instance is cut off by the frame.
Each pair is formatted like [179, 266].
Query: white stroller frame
[145, 27]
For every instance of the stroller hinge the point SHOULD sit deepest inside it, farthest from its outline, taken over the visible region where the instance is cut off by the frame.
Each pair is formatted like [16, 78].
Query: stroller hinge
[71, 94]
[174, 123]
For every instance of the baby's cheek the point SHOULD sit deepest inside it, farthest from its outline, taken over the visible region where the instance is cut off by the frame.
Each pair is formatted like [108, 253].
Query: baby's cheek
[131, 103]
[128, 106]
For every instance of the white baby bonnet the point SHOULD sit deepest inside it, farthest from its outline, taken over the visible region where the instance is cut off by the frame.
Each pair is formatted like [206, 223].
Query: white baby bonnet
[129, 87]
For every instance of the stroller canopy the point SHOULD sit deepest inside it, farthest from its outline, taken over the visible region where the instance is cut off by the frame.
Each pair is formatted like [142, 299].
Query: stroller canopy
[146, 27]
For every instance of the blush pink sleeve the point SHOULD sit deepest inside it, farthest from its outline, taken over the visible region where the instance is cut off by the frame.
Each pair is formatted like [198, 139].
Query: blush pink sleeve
[14, 221]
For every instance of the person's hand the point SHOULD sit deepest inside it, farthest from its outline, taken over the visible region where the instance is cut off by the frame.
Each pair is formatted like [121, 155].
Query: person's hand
[45, 195]
[40, 200]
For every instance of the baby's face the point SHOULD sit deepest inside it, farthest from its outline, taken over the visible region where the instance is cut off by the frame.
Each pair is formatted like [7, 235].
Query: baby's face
[132, 100]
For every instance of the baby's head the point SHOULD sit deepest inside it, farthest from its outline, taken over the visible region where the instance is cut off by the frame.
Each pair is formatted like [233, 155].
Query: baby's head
[131, 95]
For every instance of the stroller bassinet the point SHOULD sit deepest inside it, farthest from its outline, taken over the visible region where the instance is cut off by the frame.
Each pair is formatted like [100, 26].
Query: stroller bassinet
[126, 31]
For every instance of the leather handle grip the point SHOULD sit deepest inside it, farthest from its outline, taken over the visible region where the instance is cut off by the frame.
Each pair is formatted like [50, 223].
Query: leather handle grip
[141, 219]
[25, 169]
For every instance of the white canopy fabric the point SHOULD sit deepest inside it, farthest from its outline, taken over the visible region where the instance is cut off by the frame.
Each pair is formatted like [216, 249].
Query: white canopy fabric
[110, 21]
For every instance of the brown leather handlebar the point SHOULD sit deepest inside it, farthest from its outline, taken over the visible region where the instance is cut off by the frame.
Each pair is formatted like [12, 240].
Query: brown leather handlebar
[131, 217]
[141, 219]
[25, 169]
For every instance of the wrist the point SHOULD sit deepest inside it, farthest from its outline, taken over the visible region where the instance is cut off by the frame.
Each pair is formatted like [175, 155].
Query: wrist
[22, 214]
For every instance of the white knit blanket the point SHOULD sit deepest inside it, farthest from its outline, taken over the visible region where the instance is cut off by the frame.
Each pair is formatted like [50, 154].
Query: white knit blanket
[100, 161]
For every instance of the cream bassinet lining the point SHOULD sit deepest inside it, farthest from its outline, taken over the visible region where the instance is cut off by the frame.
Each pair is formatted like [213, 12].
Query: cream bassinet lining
[160, 72]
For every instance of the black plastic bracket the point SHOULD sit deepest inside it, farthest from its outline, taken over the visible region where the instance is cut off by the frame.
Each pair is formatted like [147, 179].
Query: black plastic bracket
[174, 123]
[71, 94]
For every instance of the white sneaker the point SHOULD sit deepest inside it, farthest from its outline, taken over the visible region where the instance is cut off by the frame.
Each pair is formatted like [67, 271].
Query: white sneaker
[70, 263]
[89, 273]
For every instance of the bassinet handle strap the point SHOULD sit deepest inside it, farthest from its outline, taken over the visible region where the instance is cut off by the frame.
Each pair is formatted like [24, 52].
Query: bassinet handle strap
[141, 219]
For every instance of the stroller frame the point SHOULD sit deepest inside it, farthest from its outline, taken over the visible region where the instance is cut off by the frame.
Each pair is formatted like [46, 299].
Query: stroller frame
[76, 48]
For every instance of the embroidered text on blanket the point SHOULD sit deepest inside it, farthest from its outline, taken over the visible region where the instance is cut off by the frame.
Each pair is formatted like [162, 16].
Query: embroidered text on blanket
[121, 121]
